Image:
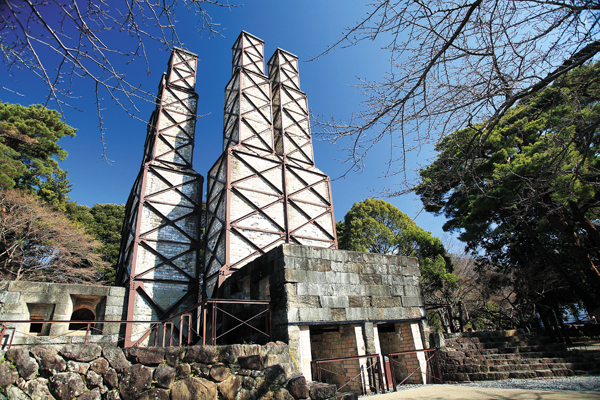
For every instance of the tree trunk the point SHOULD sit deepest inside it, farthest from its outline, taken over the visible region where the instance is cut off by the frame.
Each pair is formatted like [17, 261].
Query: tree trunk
[549, 329]
[443, 321]
[590, 301]
[558, 318]
[568, 231]
[461, 316]
[585, 222]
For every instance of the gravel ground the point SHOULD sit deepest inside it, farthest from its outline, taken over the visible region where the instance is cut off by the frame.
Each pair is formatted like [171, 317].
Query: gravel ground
[578, 383]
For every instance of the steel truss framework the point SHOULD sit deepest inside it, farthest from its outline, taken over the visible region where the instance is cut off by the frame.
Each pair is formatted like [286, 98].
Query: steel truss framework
[159, 256]
[264, 190]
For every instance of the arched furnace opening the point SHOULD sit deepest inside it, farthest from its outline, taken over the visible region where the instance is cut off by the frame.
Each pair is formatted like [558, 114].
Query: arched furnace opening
[82, 314]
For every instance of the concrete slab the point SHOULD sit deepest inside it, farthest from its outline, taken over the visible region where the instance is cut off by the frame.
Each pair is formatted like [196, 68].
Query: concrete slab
[452, 392]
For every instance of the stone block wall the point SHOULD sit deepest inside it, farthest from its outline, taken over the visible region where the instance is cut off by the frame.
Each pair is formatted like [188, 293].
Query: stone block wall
[312, 287]
[316, 285]
[199, 372]
[32, 300]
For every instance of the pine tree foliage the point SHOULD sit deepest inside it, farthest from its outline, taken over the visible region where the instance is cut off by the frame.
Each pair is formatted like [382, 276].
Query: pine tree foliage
[29, 150]
[529, 194]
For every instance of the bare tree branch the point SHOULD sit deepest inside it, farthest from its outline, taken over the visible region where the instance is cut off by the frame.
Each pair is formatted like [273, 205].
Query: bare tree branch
[458, 63]
[62, 40]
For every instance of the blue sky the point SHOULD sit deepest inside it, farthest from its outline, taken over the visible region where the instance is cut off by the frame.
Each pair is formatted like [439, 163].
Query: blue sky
[304, 28]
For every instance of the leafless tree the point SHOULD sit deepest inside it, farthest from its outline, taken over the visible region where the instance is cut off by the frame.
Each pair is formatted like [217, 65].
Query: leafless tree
[60, 41]
[457, 63]
[42, 245]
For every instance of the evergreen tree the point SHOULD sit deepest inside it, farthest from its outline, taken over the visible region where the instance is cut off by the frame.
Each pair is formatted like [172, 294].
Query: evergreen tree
[376, 226]
[29, 152]
[531, 187]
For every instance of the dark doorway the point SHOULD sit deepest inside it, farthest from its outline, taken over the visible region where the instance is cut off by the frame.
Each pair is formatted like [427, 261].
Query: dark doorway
[83, 314]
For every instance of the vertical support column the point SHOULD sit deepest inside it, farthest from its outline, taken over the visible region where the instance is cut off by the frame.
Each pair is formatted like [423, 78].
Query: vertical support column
[159, 257]
[361, 350]
[305, 352]
[377, 344]
[418, 343]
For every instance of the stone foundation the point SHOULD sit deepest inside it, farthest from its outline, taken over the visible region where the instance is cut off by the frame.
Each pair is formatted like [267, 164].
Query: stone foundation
[330, 303]
[198, 372]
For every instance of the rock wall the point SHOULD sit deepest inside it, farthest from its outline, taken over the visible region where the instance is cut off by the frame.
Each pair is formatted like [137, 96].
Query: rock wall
[236, 372]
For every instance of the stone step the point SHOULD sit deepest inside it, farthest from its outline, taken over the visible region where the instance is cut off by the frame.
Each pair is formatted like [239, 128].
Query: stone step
[486, 334]
[513, 350]
[471, 345]
[502, 345]
[490, 360]
[472, 368]
[471, 338]
[489, 356]
[494, 376]
[486, 362]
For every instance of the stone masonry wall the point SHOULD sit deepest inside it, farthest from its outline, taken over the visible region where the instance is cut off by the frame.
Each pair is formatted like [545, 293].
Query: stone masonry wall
[19, 299]
[237, 372]
[315, 285]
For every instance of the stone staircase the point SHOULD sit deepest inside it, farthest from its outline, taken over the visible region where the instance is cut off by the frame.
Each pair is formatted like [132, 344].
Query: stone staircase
[497, 355]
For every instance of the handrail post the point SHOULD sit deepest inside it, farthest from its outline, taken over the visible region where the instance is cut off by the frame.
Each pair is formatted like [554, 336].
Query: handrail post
[189, 338]
[437, 365]
[2, 334]
[157, 332]
[393, 373]
[214, 325]
[319, 371]
[270, 321]
[204, 303]
[180, 330]
[87, 333]
[380, 375]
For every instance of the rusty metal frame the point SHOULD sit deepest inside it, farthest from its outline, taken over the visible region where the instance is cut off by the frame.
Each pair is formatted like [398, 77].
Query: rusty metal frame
[435, 366]
[374, 367]
[248, 66]
[154, 327]
[242, 145]
[170, 131]
[291, 121]
[212, 306]
[284, 75]
[167, 326]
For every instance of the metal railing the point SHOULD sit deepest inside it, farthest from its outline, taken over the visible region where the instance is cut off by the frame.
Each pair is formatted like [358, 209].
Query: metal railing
[177, 330]
[370, 373]
[214, 325]
[432, 373]
[169, 333]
